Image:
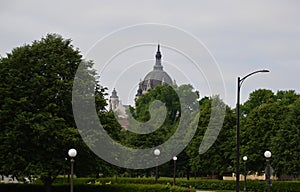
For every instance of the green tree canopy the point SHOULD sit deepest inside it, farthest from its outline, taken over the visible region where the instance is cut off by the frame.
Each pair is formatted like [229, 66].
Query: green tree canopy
[37, 125]
[165, 94]
[272, 125]
[219, 157]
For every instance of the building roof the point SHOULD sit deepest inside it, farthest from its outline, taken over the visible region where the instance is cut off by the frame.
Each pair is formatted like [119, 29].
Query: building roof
[155, 77]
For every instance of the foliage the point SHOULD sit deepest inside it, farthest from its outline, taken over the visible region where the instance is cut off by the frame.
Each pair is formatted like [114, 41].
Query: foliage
[147, 184]
[274, 126]
[204, 184]
[220, 154]
[95, 188]
[37, 124]
[168, 96]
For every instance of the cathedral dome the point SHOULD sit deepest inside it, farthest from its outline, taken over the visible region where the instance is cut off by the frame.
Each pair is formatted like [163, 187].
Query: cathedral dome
[155, 77]
[158, 77]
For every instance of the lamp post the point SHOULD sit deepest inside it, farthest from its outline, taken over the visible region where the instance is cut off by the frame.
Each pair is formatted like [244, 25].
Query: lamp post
[245, 158]
[72, 153]
[156, 153]
[239, 85]
[268, 155]
[174, 171]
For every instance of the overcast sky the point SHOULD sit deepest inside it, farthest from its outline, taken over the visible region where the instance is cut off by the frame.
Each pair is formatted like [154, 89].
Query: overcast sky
[241, 36]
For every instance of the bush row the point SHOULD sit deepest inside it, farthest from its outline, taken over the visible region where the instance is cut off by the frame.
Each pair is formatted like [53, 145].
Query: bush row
[147, 185]
[255, 186]
[93, 188]
[252, 186]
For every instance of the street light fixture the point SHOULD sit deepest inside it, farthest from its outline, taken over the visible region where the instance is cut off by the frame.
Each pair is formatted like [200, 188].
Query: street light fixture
[156, 153]
[239, 85]
[72, 153]
[268, 155]
[245, 158]
[174, 172]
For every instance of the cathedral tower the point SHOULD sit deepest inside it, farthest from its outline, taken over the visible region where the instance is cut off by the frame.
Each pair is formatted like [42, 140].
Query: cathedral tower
[113, 100]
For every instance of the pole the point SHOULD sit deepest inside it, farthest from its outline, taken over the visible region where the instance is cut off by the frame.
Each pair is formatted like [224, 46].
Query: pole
[156, 170]
[72, 173]
[245, 177]
[268, 176]
[238, 136]
[174, 173]
[239, 84]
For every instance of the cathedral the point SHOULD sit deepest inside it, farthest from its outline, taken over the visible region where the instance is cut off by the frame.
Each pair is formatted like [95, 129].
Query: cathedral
[154, 78]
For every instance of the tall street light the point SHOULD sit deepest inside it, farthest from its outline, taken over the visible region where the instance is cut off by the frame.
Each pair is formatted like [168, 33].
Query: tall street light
[268, 155]
[72, 153]
[156, 153]
[239, 85]
[174, 171]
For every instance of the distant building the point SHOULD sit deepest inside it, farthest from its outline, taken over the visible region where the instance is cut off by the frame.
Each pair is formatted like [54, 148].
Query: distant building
[9, 179]
[154, 78]
[116, 106]
[114, 100]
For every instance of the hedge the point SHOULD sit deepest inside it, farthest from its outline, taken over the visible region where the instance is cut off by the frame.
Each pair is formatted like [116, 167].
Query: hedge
[252, 186]
[148, 185]
[255, 186]
[93, 188]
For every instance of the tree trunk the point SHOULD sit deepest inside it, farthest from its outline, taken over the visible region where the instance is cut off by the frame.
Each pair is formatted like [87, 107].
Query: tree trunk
[188, 173]
[47, 184]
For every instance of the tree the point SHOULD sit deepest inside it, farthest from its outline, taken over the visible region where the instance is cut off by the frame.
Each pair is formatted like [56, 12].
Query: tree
[286, 142]
[219, 157]
[274, 126]
[37, 125]
[168, 96]
[256, 99]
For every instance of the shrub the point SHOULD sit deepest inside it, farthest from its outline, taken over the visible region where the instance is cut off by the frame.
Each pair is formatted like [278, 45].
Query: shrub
[93, 188]
[148, 185]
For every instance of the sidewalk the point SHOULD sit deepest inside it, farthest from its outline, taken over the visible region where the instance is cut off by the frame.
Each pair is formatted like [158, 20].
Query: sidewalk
[204, 191]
